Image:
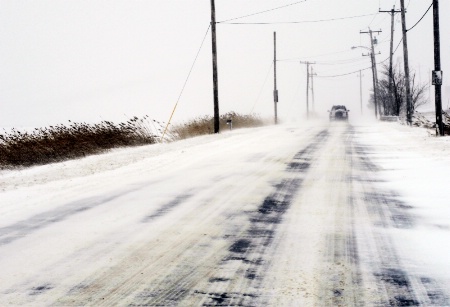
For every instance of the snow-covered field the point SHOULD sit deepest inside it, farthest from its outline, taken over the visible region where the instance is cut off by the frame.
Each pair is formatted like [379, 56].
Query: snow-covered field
[314, 214]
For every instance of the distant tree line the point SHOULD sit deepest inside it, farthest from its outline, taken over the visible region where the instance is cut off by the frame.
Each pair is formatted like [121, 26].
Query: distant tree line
[392, 104]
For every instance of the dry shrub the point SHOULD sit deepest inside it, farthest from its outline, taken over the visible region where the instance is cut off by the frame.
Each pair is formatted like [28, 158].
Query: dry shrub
[205, 125]
[60, 142]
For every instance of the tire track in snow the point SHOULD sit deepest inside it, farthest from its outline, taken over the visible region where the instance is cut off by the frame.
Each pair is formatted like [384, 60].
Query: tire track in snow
[127, 282]
[339, 280]
[163, 272]
[195, 263]
[18, 230]
[237, 279]
[394, 285]
[361, 264]
[166, 208]
[36, 222]
[337, 250]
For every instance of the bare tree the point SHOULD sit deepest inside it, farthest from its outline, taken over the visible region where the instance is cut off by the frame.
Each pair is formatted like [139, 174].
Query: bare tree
[393, 104]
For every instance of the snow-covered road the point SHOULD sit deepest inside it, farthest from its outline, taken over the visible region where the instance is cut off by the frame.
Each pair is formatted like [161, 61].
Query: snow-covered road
[318, 214]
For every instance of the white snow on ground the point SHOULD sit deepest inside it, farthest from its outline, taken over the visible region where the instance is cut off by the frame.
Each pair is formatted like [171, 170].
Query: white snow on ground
[29, 191]
[417, 167]
[413, 165]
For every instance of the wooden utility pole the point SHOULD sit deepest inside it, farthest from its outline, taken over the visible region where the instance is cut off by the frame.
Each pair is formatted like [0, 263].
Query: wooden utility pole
[437, 73]
[409, 106]
[374, 63]
[360, 90]
[307, 89]
[312, 90]
[275, 91]
[307, 85]
[375, 82]
[214, 62]
[391, 54]
[374, 72]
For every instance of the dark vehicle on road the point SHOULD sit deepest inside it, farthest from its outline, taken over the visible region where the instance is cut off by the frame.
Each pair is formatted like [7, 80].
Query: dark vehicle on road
[339, 112]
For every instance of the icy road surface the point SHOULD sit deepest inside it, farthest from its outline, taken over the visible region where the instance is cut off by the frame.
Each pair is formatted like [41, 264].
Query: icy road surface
[314, 215]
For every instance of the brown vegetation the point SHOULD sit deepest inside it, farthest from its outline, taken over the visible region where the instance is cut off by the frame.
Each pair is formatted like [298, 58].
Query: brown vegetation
[59, 143]
[205, 125]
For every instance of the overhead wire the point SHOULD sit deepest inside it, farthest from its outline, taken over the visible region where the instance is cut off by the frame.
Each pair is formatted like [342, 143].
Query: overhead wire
[262, 12]
[297, 22]
[185, 82]
[262, 87]
[291, 104]
[393, 52]
[228, 21]
[345, 74]
[349, 73]
[421, 18]
[340, 62]
[375, 16]
[313, 56]
[335, 62]
[381, 21]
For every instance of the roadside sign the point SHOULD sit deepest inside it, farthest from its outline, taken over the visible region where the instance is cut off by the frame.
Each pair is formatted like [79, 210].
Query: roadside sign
[436, 78]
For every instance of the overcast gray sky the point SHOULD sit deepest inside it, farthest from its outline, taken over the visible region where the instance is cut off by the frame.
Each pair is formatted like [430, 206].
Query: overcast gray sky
[88, 60]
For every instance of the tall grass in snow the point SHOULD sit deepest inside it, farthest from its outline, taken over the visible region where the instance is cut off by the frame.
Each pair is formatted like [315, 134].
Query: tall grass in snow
[205, 125]
[60, 142]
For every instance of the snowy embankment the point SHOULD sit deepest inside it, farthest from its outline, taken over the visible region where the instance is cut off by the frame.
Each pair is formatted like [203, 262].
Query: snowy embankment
[416, 166]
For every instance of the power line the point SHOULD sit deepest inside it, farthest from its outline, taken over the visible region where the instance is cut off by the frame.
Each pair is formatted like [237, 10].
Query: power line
[336, 62]
[375, 16]
[297, 22]
[262, 87]
[269, 10]
[346, 74]
[185, 82]
[397, 46]
[314, 56]
[420, 18]
[349, 73]
[342, 62]
[380, 22]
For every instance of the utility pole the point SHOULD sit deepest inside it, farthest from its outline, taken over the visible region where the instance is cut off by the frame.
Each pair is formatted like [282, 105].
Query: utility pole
[375, 82]
[391, 54]
[409, 106]
[312, 89]
[437, 73]
[360, 90]
[307, 89]
[214, 62]
[275, 91]
[307, 85]
[374, 72]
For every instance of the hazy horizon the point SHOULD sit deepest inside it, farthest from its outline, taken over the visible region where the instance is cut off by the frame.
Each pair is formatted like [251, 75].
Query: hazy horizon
[110, 60]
